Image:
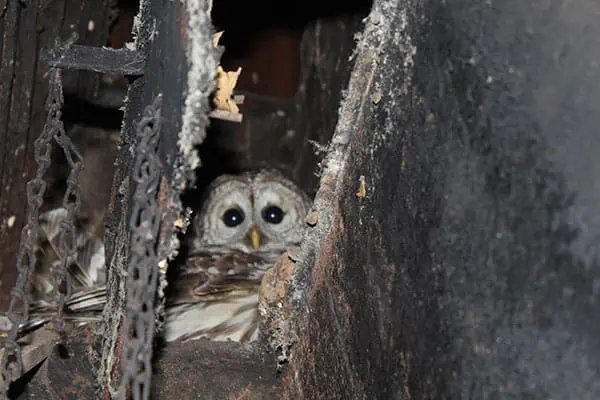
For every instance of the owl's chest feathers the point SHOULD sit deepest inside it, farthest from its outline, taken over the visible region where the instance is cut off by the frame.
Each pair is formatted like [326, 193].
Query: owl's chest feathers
[223, 297]
[235, 318]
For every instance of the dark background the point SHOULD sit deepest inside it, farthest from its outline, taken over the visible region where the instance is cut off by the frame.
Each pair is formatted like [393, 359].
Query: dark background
[470, 269]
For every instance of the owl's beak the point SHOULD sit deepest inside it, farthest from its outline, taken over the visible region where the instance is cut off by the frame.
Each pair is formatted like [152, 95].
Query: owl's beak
[255, 237]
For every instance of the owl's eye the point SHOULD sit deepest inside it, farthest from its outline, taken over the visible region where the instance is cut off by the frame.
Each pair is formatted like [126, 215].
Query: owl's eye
[233, 217]
[273, 214]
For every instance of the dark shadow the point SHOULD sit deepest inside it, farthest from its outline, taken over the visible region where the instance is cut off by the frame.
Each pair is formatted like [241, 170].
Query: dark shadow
[19, 387]
[76, 111]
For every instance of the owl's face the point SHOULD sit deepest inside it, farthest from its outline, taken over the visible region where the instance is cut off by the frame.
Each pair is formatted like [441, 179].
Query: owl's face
[253, 212]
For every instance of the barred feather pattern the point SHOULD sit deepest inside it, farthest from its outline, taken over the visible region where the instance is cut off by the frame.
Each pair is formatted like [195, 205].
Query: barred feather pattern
[214, 295]
[246, 222]
[86, 268]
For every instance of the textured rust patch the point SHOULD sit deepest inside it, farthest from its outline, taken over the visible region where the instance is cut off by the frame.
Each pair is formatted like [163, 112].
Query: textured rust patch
[164, 193]
[68, 373]
[203, 369]
[116, 371]
[274, 286]
[312, 218]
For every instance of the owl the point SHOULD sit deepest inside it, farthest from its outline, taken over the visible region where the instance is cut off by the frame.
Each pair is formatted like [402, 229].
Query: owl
[245, 223]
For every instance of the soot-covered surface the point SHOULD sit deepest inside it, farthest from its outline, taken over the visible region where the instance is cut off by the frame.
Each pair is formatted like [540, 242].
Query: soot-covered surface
[469, 268]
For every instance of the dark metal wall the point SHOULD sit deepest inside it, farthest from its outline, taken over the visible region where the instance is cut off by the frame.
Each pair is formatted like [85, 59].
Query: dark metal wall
[469, 269]
[285, 133]
[27, 30]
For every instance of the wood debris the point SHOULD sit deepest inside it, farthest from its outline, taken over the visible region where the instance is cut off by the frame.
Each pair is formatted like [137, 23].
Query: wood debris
[312, 218]
[35, 348]
[362, 187]
[216, 38]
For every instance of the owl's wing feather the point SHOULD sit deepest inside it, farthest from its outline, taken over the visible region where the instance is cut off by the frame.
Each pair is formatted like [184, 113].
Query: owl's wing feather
[210, 275]
[83, 306]
[86, 271]
[86, 268]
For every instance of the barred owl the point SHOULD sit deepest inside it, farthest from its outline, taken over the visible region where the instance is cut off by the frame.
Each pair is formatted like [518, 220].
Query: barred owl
[246, 222]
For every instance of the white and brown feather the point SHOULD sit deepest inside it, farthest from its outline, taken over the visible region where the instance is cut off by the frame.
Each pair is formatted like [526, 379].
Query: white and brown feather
[85, 269]
[215, 293]
[216, 296]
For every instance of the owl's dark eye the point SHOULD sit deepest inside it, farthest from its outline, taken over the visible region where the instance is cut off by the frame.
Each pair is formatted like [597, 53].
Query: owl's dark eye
[233, 217]
[273, 214]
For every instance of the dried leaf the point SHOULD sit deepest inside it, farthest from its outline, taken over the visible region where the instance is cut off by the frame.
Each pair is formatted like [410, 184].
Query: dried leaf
[216, 38]
[226, 82]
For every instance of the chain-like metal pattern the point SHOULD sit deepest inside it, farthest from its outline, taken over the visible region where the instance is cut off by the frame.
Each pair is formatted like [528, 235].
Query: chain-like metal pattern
[67, 246]
[143, 270]
[12, 364]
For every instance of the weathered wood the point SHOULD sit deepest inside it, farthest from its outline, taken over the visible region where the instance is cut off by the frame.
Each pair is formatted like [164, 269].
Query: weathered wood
[14, 149]
[35, 348]
[326, 53]
[449, 256]
[69, 372]
[214, 370]
[91, 20]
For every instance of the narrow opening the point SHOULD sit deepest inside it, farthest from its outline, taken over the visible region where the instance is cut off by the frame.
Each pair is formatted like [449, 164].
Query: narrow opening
[277, 47]
[294, 65]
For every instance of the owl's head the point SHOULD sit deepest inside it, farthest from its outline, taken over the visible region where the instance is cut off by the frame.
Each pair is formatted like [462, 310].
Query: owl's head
[253, 212]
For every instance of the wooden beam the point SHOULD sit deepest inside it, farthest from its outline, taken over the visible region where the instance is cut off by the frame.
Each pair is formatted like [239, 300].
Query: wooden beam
[97, 59]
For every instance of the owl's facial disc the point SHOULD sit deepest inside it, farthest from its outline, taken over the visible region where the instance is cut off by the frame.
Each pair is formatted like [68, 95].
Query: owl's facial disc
[279, 212]
[228, 214]
[253, 213]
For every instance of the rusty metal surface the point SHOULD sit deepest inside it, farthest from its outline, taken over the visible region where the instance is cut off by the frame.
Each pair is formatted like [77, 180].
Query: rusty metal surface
[142, 267]
[69, 371]
[448, 259]
[214, 371]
